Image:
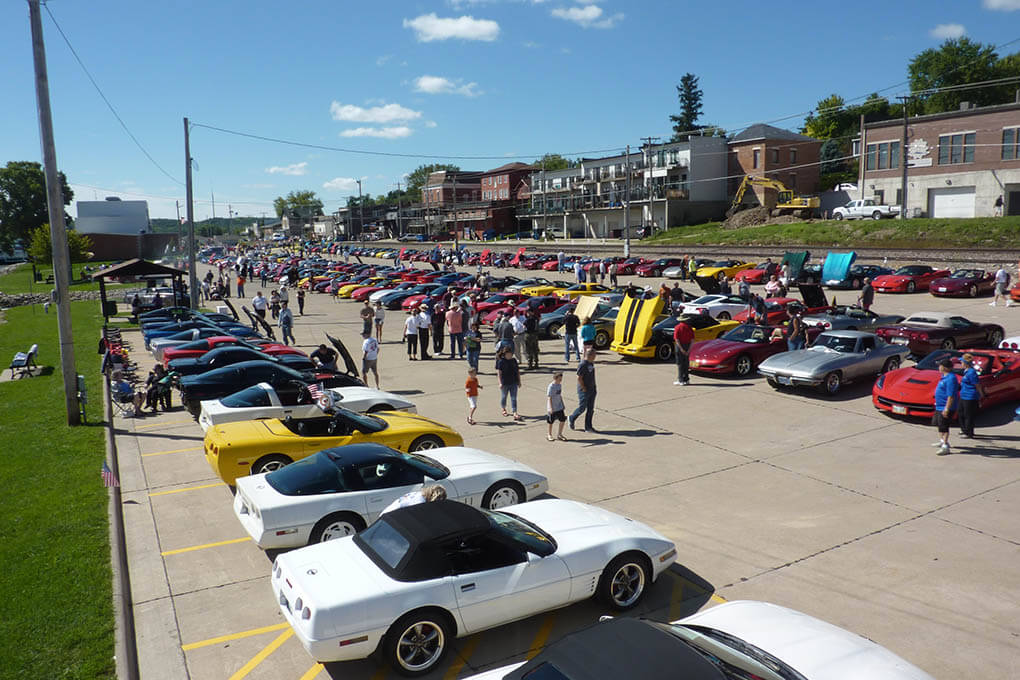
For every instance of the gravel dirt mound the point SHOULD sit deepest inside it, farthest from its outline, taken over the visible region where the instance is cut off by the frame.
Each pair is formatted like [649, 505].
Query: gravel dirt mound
[751, 217]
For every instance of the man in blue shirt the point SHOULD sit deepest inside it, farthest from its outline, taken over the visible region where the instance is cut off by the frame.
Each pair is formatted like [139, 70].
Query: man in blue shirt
[946, 398]
[970, 394]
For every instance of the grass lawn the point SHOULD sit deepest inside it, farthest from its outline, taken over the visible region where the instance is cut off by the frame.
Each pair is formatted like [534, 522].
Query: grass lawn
[979, 232]
[20, 279]
[56, 616]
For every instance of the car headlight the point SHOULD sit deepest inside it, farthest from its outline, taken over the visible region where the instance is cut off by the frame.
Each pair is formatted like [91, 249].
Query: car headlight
[880, 382]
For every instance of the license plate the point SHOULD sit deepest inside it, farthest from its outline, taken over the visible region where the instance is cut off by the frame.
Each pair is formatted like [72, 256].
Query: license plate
[942, 289]
[899, 410]
[783, 380]
[898, 341]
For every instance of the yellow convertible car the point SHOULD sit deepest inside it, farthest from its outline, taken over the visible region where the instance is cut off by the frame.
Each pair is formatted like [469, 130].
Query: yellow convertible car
[347, 290]
[727, 267]
[581, 289]
[249, 447]
[550, 288]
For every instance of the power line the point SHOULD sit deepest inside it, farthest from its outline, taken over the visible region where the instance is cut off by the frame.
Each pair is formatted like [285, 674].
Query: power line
[107, 101]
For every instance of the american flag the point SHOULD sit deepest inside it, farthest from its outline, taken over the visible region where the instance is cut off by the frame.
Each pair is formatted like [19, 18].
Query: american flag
[109, 479]
[315, 391]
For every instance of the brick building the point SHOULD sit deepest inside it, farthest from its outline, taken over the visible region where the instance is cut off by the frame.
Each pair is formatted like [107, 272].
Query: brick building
[958, 162]
[767, 151]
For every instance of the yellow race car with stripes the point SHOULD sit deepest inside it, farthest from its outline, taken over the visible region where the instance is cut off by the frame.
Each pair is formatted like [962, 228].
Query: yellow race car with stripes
[643, 332]
[249, 447]
[577, 289]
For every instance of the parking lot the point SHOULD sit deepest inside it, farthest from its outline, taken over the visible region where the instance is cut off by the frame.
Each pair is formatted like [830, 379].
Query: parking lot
[820, 504]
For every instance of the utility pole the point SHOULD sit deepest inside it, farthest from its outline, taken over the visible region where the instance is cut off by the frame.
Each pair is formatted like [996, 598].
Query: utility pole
[180, 234]
[903, 148]
[455, 214]
[862, 157]
[647, 227]
[400, 231]
[545, 204]
[55, 208]
[190, 211]
[626, 210]
[361, 215]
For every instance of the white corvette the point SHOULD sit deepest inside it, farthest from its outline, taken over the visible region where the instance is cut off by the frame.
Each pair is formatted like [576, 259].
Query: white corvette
[716, 305]
[338, 492]
[262, 401]
[422, 575]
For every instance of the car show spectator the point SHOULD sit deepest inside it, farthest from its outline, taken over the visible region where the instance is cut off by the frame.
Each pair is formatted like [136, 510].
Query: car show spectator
[473, 345]
[797, 338]
[946, 397]
[471, 388]
[301, 301]
[970, 396]
[587, 333]
[367, 315]
[370, 356]
[259, 304]
[411, 334]
[570, 325]
[324, 357]
[509, 372]
[424, 326]
[586, 392]
[531, 337]
[1001, 287]
[517, 323]
[773, 286]
[867, 296]
[455, 327]
[286, 322]
[555, 409]
[683, 336]
[378, 317]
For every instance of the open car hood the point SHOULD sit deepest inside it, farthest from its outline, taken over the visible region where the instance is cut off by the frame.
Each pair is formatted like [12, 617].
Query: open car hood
[795, 262]
[709, 284]
[352, 368]
[257, 322]
[812, 295]
[837, 266]
[226, 301]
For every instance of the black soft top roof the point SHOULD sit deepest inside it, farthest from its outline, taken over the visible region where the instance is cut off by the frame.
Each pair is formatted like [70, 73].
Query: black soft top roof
[620, 648]
[430, 522]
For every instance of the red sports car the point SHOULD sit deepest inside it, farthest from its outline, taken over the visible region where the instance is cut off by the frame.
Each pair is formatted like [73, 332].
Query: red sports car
[628, 266]
[963, 282]
[499, 300]
[911, 391]
[925, 332]
[656, 268]
[758, 274]
[197, 348]
[908, 279]
[1014, 294]
[737, 351]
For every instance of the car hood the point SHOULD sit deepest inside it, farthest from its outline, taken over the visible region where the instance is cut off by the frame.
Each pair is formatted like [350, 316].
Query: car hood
[349, 394]
[718, 348]
[813, 647]
[467, 461]
[575, 525]
[890, 279]
[352, 369]
[910, 381]
[837, 266]
[803, 361]
[953, 283]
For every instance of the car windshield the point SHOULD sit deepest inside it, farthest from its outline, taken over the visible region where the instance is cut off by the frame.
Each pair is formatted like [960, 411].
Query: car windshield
[911, 271]
[719, 647]
[522, 531]
[364, 422]
[430, 466]
[721, 263]
[932, 361]
[578, 286]
[837, 343]
[316, 474]
[967, 274]
[706, 299]
[247, 398]
[748, 333]
[386, 542]
[499, 297]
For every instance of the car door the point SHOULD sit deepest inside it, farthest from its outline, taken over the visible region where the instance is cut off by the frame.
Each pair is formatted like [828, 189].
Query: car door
[496, 581]
[384, 482]
[967, 334]
[870, 359]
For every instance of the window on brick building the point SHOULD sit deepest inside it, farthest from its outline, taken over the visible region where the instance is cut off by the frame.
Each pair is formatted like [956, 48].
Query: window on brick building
[883, 156]
[775, 155]
[956, 148]
[1011, 144]
[756, 159]
[793, 156]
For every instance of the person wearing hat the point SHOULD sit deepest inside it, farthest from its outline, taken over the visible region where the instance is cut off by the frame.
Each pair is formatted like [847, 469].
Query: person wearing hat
[970, 395]
[946, 397]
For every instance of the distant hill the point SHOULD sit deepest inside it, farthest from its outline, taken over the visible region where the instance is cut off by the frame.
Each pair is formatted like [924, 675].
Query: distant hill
[210, 227]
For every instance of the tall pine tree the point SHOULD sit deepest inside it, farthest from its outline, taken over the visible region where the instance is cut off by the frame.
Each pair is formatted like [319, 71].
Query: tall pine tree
[690, 108]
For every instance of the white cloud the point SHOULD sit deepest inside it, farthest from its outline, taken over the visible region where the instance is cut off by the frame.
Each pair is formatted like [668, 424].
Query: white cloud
[380, 61]
[429, 27]
[1002, 5]
[385, 113]
[295, 169]
[531, 45]
[383, 132]
[341, 184]
[945, 31]
[431, 124]
[587, 16]
[440, 85]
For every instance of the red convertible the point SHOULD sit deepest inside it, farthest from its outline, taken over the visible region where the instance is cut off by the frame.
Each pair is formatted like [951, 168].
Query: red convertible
[908, 279]
[963, 282]
[757, 274]
[925, 332]
[737, 351]
[911, 391]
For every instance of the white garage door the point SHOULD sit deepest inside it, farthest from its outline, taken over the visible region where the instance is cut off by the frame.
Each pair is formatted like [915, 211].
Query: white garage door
[951, 202]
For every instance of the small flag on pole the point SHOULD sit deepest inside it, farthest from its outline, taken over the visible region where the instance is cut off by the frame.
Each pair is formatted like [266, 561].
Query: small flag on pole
[109, 479]
[315, 391]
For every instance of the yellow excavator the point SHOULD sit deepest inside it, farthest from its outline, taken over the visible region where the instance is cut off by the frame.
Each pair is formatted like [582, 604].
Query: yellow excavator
[786, 204]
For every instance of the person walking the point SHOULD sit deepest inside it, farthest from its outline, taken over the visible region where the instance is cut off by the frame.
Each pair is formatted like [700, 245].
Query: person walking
[301, 301]
[602, 271]
[287, 323]
[240, 284]
[411, 334]
[1001, 287]
[438, 331]
[946, 396]
[370, 357]
[555, 409]
[284, 294]
[614, 271]
[264, 276]
[570, 325]
[585, 393]
[379, 316]
[259, 304]
[274, 304]
[531, 337]
[797, 338]
[578, 272]
[587, 333]
[473, 345]
[504, 332]
[424, 326]
[683, 268]
[867, 296]
[471, 388]
[509, 372]
[970, 396]
[683, 336]
[455, 326]
[367, 315]
[692, 267]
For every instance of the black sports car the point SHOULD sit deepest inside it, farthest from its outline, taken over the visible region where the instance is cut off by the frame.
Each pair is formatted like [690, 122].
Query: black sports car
[225, 356]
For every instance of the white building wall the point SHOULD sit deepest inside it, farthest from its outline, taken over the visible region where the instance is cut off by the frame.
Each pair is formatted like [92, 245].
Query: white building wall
[988, 186]
[706, 172]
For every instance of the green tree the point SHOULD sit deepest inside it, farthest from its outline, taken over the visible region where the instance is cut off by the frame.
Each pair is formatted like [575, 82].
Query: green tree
[40, 247]
[23, 200]
[416, 180]
[958, 62]
[690, 96]
[554, 161]
[829, 120]
[301, 203]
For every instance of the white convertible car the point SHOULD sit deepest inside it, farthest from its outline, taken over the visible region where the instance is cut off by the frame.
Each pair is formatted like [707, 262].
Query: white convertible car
[741, 639]
[423, 575]
[338, 492]
[262, 401]
[716, 305]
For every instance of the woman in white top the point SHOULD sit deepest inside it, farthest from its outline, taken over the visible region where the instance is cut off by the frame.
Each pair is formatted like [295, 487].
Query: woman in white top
[411, 334]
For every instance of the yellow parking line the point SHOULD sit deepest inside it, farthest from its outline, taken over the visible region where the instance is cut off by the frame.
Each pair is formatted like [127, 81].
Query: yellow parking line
[163, 453]
[542, 636]
[461, 660]
[189, 488]
[312, 672]
[676, 598]
[204, 546]
[170, 424]
[234, 636]
[718, 599]
[261, 656]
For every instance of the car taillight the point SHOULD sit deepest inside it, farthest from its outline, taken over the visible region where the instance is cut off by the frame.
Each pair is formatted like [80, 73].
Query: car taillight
[702, 310]
[826, 324]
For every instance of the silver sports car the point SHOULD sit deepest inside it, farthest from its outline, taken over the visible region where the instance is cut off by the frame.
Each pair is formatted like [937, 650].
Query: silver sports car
[836, 357]
[844, 318]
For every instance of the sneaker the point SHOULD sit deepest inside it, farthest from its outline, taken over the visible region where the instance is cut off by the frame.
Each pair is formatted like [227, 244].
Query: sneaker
[991, 304]
[938, 443]
[677, 382]
[944, 451]
[964, 435]
[571, 423]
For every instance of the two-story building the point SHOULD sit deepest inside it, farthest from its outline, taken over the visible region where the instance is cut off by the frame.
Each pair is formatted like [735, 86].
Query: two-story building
[959, 163]
[764, 150]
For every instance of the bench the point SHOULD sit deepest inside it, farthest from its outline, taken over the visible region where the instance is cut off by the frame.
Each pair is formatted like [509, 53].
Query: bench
[23, 363]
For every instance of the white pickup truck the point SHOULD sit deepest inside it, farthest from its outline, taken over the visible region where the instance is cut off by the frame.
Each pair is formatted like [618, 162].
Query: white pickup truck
[865, 208]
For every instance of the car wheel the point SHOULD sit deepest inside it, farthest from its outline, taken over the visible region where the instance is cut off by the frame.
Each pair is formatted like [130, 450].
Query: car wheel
[723, 316]
[504, 493]
[601, 340]
[911, 286]
[664, 352]
[273, 461]
[891, 364]
[838, 217]
[743, 366]
[426, 442]
[995, 338]
[832, 383]
[624, 581]
[773, 383]
[380, 407]
[553, 328]
[876, 215]
[336, 525]
[417, 642]
[948, 343]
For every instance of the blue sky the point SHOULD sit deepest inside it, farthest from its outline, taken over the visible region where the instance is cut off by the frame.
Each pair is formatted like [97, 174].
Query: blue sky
[506, 79]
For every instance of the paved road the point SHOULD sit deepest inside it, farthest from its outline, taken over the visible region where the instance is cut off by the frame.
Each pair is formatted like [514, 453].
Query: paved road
[823, 505]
